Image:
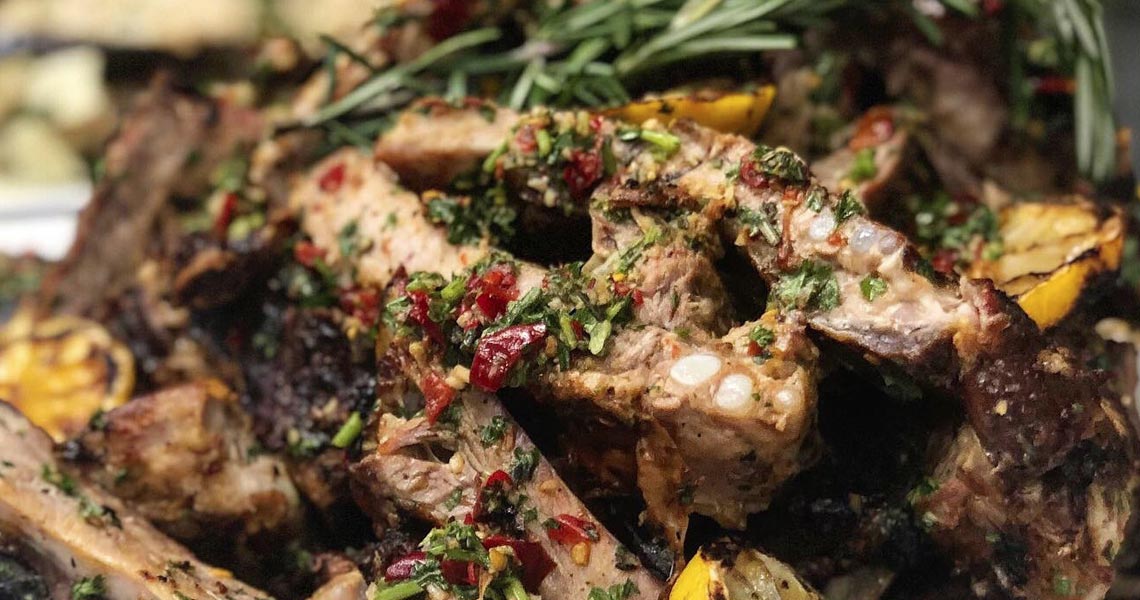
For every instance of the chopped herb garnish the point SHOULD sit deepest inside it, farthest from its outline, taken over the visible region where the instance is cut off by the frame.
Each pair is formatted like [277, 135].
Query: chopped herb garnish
[453, 499]
[89, 588]
[922, 489]
[493, 431]
[471, 220]
[847, 207]
[346, 240]
[760, 222]
[64, 482]
[523, 466]
[455, 541]
[781, 163]
[816, 199]
[762, 336]
[620, 591]
[812, 286]
[872, 287]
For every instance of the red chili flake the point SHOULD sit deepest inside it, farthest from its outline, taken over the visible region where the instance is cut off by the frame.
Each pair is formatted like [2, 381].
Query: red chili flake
[447, 18]
[498, 353]
[333, 178]
[362, 304]
[525, 140]
[401, 568]
[536, 563]
[570, 530]
[437, 396]
[583, 171]
[226, 214]
[596, 123]
[579, 331]
[874, 128]
[754, 349]
[638, 297]
[751, 175]
[495, 289]
[944, 261]
[836, 239]
[459, 572]
[307, 253]
[420, 315]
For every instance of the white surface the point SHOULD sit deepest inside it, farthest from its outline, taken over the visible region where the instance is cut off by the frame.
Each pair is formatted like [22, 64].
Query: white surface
[40, 219]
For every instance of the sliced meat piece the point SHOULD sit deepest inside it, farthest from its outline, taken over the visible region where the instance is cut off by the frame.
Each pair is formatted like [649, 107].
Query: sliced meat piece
[70, 532]
[740, 428]
[352, 204]
[414, 148]
[187, 460]
[494, 479]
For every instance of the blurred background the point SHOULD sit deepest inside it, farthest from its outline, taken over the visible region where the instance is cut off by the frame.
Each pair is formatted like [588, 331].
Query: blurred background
[67, 68]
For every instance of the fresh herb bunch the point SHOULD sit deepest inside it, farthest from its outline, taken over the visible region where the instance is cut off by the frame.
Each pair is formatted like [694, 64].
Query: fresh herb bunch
[567, 54]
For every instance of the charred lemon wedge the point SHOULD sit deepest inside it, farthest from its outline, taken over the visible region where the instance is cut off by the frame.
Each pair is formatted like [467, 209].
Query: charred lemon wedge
[60, 371]
[732, 112]
[725, 571]
[1051, 254]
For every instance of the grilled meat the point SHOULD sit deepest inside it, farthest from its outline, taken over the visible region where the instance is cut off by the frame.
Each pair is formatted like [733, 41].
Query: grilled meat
[74, 534]
[675, 288]
[854, 281]
[494, 477]
[186, 459]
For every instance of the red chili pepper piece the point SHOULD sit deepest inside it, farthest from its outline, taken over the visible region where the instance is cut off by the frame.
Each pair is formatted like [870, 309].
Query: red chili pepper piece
[332, 179]
[401, 568]
[536, 563]
[306, 253]
[874, 128]
[499, 352]
[226, 214]
[569, 530]
[751, 175]
[437, 396]
[420, 315]
[583, 170]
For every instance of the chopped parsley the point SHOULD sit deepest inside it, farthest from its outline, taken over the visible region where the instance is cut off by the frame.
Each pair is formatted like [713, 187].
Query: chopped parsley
[811, 286]
[494, 431]
[872, 287]
[847, 207]
[863, 168]
[922, 489]
[346, 239]
[453, 499]
[781, 163]
[523, 466]
[944, 225]
[760, 222]
[620, 591]
[455, 541]
[816, 198]
[89, 588]
[470, 220]
[762, 335]
[62, 481]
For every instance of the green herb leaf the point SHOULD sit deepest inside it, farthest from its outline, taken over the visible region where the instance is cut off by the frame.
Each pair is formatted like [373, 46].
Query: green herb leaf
[349, 431]
[494, 431]
[812, 286]
[863, 168]
[89, 588]
[872, 287]
[847, 207]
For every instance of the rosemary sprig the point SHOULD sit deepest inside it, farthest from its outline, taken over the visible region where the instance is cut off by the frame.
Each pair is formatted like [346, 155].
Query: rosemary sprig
[591, 53]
